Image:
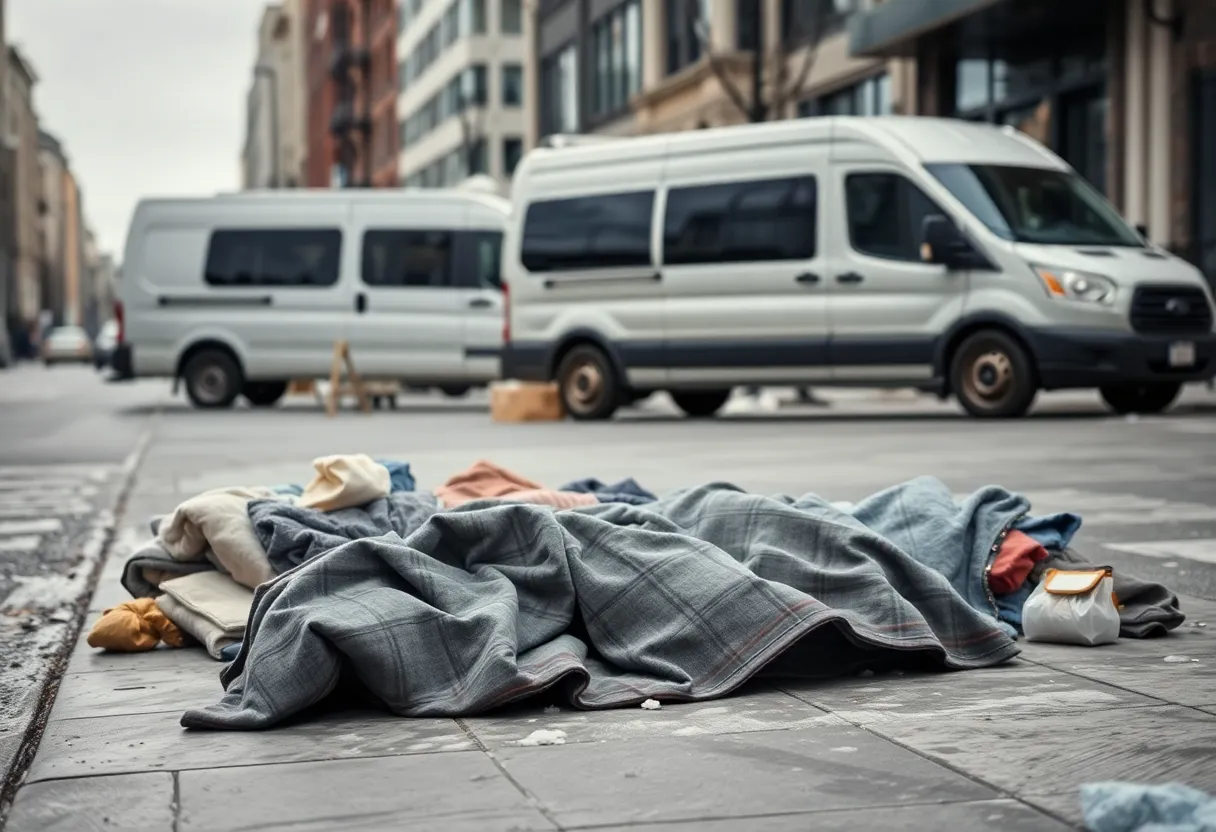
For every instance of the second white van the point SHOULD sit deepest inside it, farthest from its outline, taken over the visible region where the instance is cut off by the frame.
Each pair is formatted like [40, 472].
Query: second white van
[236, 295]
[958, 258]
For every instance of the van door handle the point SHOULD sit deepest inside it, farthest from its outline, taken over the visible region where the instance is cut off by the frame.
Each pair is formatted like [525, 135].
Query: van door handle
[849, 277]
[481, 303]
[807, 277]
[360, 303]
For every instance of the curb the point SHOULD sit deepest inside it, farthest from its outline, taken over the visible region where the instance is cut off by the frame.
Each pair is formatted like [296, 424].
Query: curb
[35, 706]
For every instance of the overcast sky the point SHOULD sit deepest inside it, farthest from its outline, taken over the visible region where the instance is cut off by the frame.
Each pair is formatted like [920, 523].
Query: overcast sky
[147, 96]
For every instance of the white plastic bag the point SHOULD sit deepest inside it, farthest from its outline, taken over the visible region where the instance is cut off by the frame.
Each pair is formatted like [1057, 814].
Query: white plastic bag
[1073, 607]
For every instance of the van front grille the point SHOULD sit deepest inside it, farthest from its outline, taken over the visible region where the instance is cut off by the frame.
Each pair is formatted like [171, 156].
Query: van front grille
[1171, 310]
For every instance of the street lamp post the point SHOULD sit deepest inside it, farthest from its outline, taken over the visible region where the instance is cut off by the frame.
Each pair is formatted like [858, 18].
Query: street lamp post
[272, 74]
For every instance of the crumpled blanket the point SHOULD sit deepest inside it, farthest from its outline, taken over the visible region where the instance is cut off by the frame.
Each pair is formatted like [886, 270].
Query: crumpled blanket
[625, 491]
[683, 599]
[133, 627]
[1133, 807]
[293, 534]
[214, 526]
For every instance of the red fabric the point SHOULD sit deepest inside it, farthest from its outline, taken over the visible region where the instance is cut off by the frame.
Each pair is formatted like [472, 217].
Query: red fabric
[1018, 554]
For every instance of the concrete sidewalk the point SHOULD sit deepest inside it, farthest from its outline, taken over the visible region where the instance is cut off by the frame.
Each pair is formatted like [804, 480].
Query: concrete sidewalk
[1005, 748]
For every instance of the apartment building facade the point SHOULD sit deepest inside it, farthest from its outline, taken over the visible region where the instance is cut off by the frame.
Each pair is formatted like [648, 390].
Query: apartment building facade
[461, 92]
[22, 137]
[275, 146]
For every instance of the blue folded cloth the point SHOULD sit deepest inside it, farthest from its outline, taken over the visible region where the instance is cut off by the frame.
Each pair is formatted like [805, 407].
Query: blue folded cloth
[625, 491]
[1133, 807]
[399, 475]
[1052, 531]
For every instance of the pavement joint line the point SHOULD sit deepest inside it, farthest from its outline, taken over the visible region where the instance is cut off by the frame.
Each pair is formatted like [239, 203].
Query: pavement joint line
[97, 541]
[176, 805]
[533, 799]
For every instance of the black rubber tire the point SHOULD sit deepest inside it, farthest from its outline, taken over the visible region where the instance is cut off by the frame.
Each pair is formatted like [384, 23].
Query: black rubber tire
[1140, 398]
[455, 391]
[264, 393]
[584, 366]
[216, 370]
[700, 404]
[1002, 354]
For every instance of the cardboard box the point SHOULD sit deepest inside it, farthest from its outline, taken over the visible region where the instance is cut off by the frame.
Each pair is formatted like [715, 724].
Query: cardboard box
[518, 401]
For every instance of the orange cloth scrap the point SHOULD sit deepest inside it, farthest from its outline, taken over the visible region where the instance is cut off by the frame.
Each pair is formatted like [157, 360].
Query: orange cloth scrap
[1018, 554]
[487, 481]
[134, 626]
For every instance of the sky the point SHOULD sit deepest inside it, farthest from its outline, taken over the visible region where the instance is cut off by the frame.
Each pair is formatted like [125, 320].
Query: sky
[147, 96]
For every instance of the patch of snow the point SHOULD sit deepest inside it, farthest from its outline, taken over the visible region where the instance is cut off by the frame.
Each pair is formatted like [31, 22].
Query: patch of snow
[1179, 659]
[651, 705]
[544, 736]
[845, 749]
[552, 709]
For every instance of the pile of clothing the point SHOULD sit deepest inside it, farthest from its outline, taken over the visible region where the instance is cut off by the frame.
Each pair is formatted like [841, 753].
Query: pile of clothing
[493, 588]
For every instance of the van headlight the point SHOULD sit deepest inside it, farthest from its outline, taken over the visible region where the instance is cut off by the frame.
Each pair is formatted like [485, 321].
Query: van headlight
[1070, 284]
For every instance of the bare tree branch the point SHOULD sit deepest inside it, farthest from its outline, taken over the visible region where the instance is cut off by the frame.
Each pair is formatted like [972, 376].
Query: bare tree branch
[717, 66]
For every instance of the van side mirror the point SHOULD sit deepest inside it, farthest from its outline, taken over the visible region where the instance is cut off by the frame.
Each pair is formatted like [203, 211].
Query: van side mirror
[943, 243]
[1142, 230]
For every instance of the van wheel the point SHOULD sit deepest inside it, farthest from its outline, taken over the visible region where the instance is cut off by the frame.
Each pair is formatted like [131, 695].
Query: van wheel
[993, 376]
[213, 380]
[455, 391]
[588, 384]
[264, 393]
[1140, 398]
[701, 404]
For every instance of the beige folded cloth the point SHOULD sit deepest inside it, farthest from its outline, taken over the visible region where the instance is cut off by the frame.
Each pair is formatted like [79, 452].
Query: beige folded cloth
[345, 480]
[210, 606]
[219, 520]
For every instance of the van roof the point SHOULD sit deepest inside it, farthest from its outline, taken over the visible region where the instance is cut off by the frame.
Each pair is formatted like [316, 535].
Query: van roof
[349, 195]
[916, 139]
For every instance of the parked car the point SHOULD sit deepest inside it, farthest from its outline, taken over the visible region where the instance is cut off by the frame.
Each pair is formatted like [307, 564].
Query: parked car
[239, 294]
[66, 345]
[104, 343]
[961, 259]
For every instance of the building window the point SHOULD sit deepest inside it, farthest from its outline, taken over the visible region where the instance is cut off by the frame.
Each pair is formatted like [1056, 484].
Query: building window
[804, 21]
[512, 17]
[871, 97]
[403, 258]
[596, 232]
[512, 152]
[559, 92]
[477, 17]
[886, 213]
[279, 257]
[741, 222]
[683, 44]
[616, 44]
[745, 25]
[512, 85]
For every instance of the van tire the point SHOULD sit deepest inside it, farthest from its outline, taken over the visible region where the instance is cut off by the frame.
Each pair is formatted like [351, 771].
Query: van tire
[213, 380]
[993, 376]
[455, 391]
[264, 393]
[700, 404]
[1140, 398]
[588, 384]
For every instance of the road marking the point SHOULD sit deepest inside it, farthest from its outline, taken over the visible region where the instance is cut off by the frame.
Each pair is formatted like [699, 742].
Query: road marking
[1202, 550]
[50, 525]
[26, 511]
[25, 544]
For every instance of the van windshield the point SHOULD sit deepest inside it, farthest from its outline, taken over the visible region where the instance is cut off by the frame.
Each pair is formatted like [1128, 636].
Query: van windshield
[1035, 205]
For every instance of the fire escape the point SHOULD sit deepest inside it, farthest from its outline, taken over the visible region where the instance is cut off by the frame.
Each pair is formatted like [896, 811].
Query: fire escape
[349, 69]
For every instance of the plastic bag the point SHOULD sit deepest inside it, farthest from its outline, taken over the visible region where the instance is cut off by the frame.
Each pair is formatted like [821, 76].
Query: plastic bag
[1073, 607]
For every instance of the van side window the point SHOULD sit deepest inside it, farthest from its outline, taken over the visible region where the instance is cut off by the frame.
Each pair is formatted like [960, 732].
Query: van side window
[593, 232]
[478, 259]
[403, 258]
[274, 257]
[886, 214]
[757, 220]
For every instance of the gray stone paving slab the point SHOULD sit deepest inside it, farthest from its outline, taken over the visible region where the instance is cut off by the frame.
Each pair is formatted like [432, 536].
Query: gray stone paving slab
[1057, 752]
[131, 688]
[1184, 683]
[1015, 688]
[1004, 815]
[1066, 805]
[157, 742]
[86, 659]
[126, 802]
[758, 708]
[729, 775]
[460, 792]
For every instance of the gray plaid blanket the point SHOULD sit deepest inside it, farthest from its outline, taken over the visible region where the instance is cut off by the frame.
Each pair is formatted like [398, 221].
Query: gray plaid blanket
[682, 599]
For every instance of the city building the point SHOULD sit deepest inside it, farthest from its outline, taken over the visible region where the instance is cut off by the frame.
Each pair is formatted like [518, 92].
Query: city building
[461, 103]
[8, 230]
[275, 145]
[383, 82]
[1125, 90]
[53, 163]
[625, 67]
[21, 136]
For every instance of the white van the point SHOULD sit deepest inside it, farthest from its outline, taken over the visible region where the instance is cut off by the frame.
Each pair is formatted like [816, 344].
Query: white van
[236, 295]
[951, 257]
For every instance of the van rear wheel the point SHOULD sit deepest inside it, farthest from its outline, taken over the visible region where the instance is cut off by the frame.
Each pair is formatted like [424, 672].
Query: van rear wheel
[213, 380]
[1140, 398]
[264, 393]
[588, 384]
[700, 404]
[993, 376]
